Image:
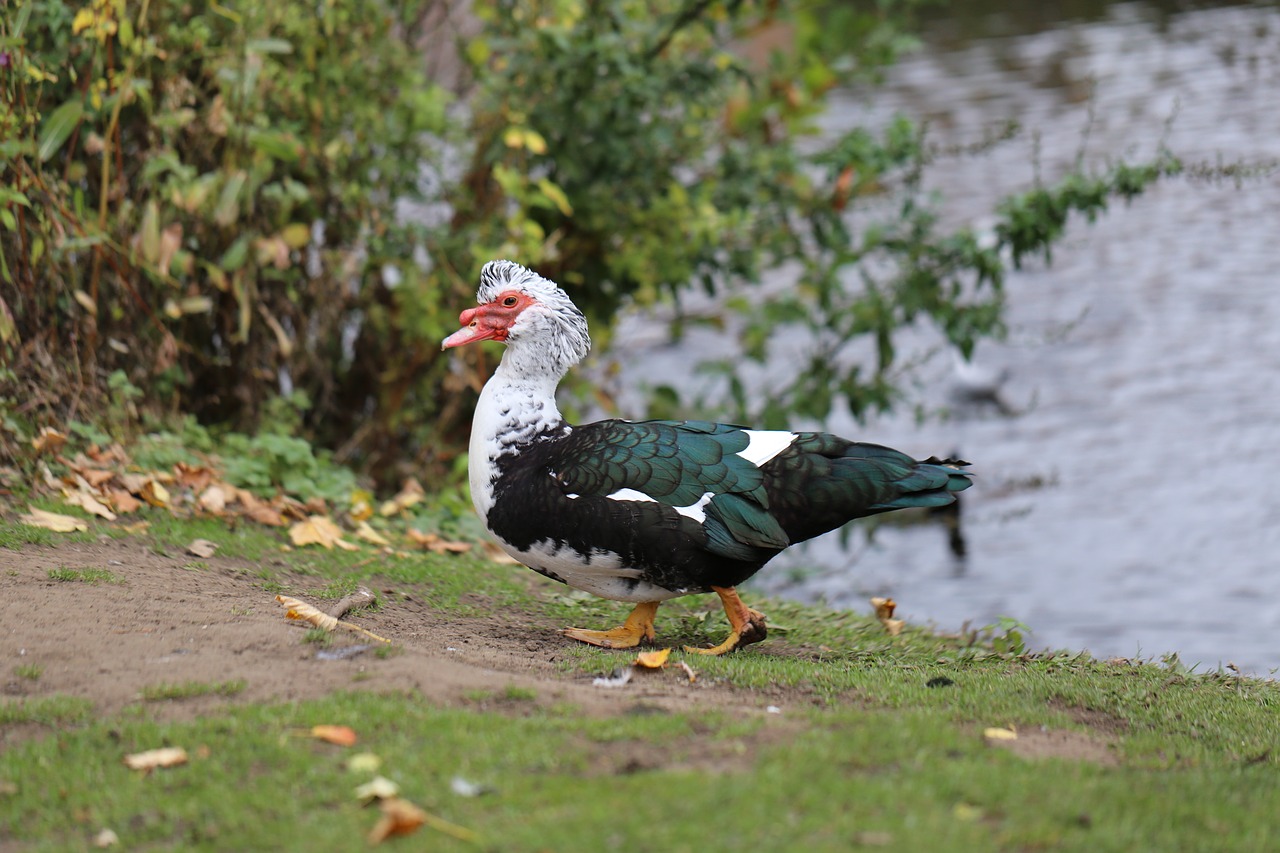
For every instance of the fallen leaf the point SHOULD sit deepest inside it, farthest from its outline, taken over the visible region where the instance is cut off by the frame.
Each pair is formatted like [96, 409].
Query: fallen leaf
[688, 670]
[154, 493]
[364, 762]
[319, 530]
[124, 502]
[996, 733]
[361, 505]
[90, 504]
[95, 477]
[197, 479]
[260, 512]
[106, 838]
[169, 756]
[377, 788]
[437, 545]
[48, 441]
[337, 735]
[466, 788]
[295, 609]
[410, 493]
[56, 522]
[653, 660]
[368, 534]
[213, 499]
[884, 612]
[399, 817]
[202, 548]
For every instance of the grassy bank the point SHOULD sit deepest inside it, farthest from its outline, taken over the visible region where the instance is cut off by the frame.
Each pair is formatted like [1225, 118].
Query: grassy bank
[832, 735]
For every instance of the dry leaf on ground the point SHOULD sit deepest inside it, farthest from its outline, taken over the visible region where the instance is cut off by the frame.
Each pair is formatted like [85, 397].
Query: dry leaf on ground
[377, 788]
[213, 499]
[90, 504]
[124, 502]
[688, 670]
[48, 441]
[337, 735]
[54, 521]
[653, 660]
[368, 534]
[410, 493]
[401, 817]
[997, 733]
[169, 756]
[202, 548]
[319, 530]
[154, 493]
[295, 609]
[435, 544]
[884, 612]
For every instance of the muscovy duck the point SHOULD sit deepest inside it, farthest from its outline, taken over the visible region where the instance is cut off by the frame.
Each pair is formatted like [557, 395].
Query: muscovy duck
[646, 511]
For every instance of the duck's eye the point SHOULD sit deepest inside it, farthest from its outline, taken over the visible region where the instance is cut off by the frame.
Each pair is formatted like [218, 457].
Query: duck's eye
[509, 302]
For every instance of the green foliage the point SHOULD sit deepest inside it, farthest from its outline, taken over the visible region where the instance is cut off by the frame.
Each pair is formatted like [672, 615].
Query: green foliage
[90, 576]
[210, 210]
[192, 690]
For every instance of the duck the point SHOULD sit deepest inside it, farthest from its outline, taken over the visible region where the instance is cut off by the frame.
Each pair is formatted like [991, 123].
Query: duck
[646, 511]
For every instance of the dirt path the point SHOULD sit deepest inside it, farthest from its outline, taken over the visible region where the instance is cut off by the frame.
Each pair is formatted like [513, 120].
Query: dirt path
[159, 621]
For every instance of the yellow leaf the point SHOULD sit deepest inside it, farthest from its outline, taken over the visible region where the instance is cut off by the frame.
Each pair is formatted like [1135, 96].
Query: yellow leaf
[318, 530]
[83, 20]
[653, 660]
[534, 142]
[296, 235]
[377, 788]
[368, 534]
[364, 762]
[995, 733]
[52, 521]
[513, 137]
[170, 756]
[154, 493]
[337, 735]
[556, 195]
[295, 609]
[361, 505]
[195, 305]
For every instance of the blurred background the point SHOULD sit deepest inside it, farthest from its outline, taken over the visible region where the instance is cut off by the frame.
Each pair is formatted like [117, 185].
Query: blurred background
[1122, 432]
[1039, 236]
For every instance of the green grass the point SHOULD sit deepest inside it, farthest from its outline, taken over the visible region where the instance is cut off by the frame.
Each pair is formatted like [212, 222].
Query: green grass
[878, 743]
[29, 671]
[916, 773]
[191, 690]
[93, 576]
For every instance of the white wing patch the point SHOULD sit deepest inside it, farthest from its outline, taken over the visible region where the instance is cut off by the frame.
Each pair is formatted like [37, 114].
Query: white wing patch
[601, 573]
[694, 510]
[630, 495]
[765, 444]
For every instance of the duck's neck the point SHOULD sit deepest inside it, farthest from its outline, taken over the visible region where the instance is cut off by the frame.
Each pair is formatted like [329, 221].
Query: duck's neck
[515, 410]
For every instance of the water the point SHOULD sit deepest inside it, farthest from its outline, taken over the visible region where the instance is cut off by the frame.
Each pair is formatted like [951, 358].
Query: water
[1133, 508]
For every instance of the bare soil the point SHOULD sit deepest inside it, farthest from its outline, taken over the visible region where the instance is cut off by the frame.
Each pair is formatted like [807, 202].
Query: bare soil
[173, 618]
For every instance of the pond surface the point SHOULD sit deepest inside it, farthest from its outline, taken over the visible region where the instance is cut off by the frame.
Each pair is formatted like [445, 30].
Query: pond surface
[1130, 505]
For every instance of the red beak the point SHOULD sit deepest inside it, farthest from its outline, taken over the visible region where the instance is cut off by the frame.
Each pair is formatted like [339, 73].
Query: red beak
[477, 325]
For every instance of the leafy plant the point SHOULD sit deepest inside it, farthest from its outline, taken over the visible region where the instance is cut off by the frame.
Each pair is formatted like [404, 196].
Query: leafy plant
[265, 216]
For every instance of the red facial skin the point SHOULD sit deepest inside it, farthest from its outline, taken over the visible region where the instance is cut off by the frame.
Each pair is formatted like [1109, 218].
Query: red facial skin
[491, 321]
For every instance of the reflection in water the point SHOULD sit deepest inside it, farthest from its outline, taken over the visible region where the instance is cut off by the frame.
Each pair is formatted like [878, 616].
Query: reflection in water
[1126, 501]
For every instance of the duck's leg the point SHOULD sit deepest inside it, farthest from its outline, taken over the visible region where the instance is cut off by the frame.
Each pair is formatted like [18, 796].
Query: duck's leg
[639, 626]
[746, 625]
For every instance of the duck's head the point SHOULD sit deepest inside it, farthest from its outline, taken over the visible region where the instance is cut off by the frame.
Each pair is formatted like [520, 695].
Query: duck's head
[526, 311]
